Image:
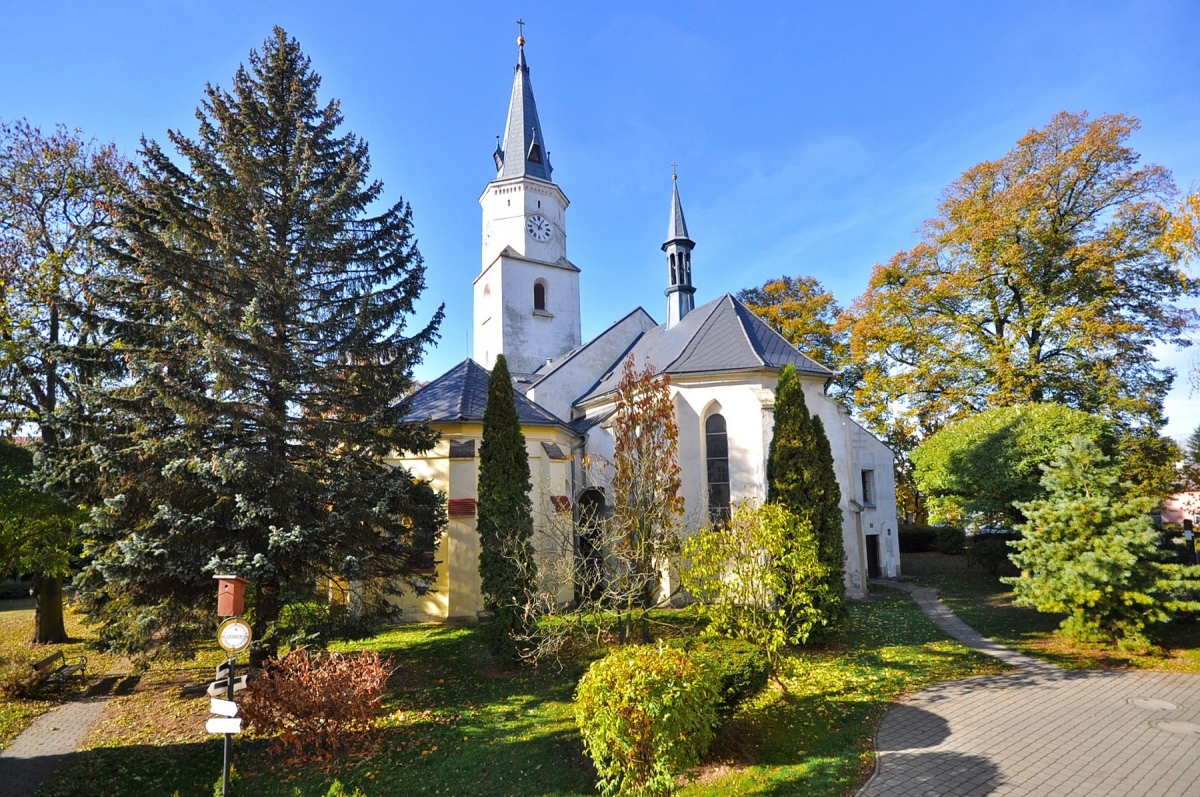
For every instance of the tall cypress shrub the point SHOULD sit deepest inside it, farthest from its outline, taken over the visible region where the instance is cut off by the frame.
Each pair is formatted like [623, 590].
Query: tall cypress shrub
[504, 517]
[801, 478]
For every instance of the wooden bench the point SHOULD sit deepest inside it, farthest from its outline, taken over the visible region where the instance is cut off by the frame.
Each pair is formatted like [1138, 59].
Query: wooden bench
[56, 669]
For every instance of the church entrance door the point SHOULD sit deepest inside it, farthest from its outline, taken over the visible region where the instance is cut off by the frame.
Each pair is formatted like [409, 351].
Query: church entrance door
[873, 556]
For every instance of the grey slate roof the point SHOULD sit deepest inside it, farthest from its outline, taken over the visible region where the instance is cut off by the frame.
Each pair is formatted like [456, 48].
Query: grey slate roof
[522, 132]
[548, 368]
[677, 225]
[460, 394]
[721, 336]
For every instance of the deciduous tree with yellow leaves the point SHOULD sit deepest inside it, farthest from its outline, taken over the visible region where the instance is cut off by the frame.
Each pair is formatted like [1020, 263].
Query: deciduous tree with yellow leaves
[1047, 275]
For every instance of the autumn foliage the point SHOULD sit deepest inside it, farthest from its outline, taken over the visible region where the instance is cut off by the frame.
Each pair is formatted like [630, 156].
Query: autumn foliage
[647, 506]
[314, 703]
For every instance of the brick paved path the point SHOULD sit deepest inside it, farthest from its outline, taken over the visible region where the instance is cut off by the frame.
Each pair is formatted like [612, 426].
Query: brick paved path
[1042, 731]
[34, 755]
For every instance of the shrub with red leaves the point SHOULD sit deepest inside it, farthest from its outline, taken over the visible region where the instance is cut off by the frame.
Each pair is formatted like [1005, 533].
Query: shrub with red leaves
[315, 702]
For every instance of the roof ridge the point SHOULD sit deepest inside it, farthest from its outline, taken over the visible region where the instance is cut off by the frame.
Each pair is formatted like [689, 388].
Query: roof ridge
[695, 339]
[737, 308]
[609, 371]
[579, 349]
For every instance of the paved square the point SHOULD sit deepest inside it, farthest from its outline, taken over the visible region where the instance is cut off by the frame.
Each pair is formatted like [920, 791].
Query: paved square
[1044, 731]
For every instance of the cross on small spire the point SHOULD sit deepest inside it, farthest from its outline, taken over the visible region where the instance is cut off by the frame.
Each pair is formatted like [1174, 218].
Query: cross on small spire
[521, 32]
[674, 176]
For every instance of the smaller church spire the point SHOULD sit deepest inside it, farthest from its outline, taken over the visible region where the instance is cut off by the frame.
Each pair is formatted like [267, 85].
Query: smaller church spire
[678, 246]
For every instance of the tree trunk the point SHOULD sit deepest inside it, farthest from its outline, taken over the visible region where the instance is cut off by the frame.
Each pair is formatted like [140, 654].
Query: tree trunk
[48, 625]
[266, 612]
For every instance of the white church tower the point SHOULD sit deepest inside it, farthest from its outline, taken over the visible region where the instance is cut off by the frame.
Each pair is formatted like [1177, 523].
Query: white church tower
[680, 293]
[527, 293]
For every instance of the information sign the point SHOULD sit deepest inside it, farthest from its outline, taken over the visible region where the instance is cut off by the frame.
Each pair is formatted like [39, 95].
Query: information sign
[225, 708]
[224, 725]
[234, 635]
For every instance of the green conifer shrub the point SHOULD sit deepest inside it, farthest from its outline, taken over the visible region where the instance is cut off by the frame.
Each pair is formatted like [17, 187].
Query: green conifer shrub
[646, 714]
[504, 517]
[800, 477]
[1089, 551]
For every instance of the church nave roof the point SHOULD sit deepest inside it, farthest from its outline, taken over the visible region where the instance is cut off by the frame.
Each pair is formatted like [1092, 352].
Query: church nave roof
[718, 337]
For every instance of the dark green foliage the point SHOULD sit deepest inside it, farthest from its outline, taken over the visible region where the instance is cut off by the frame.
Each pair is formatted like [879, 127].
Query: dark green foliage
[990, 551]
[974, 469]
[917, 539]
[262, 312]
[950, 540]
[37, 535]
[740, 667]
[1089, 551]
[800, 476]
[504, 517]
[1191, 448]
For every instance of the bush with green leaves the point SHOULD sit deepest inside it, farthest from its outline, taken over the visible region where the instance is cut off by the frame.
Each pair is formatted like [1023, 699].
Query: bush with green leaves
[646, 714]
[741, 667]
[950, 540]
[973, 470]
[917, 539]
[759, 577]
[991, 551]
[1089, 551]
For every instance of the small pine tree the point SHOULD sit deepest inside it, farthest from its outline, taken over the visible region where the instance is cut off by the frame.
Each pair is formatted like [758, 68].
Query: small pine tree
[801, 478]
[504, 517]
[1089, 551]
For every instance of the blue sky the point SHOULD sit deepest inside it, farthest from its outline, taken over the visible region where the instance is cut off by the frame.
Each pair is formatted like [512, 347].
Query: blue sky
[811, 138]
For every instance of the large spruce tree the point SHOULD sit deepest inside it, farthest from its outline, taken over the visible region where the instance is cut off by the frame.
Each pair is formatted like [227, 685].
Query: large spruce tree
[262, 306]
[504, 517]
[800, 477]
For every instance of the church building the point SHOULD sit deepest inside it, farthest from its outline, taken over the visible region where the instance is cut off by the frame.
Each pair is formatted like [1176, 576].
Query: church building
[723, 362]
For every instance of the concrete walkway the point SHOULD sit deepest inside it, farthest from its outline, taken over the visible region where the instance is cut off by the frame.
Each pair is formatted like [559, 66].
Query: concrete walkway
[34, 755]
[1041, 731]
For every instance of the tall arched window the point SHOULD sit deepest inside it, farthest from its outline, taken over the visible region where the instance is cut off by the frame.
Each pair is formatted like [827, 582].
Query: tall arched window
[539, 296]
[717, 456]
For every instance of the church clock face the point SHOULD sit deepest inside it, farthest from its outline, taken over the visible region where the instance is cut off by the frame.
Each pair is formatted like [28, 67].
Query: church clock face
[538, 228]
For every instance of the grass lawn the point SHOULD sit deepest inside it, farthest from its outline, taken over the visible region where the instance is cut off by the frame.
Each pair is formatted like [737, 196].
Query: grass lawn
[16, 653]
[456, 724]
[985, 604]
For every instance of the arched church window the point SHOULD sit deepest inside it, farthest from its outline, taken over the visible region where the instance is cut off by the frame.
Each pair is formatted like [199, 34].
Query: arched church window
[717, 459]
[539, 296]
[672, 268]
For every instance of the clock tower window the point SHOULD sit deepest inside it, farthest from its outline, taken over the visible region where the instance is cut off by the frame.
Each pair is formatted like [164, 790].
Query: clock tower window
[539, 295]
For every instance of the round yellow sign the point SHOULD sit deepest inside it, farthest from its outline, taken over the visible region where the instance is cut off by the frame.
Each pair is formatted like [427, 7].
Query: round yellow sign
[234, 635]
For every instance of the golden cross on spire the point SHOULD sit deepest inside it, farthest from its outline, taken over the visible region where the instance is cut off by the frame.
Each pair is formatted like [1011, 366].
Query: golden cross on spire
[521, 32]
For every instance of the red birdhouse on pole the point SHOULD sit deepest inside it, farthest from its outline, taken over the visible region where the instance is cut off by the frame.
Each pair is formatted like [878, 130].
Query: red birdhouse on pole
[231, 595]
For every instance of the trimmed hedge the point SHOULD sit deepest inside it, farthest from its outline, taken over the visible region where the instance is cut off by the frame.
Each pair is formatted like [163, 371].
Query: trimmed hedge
[741, 667]
[991, 550]
[924, 539]
[950, 540]
[917, 539]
